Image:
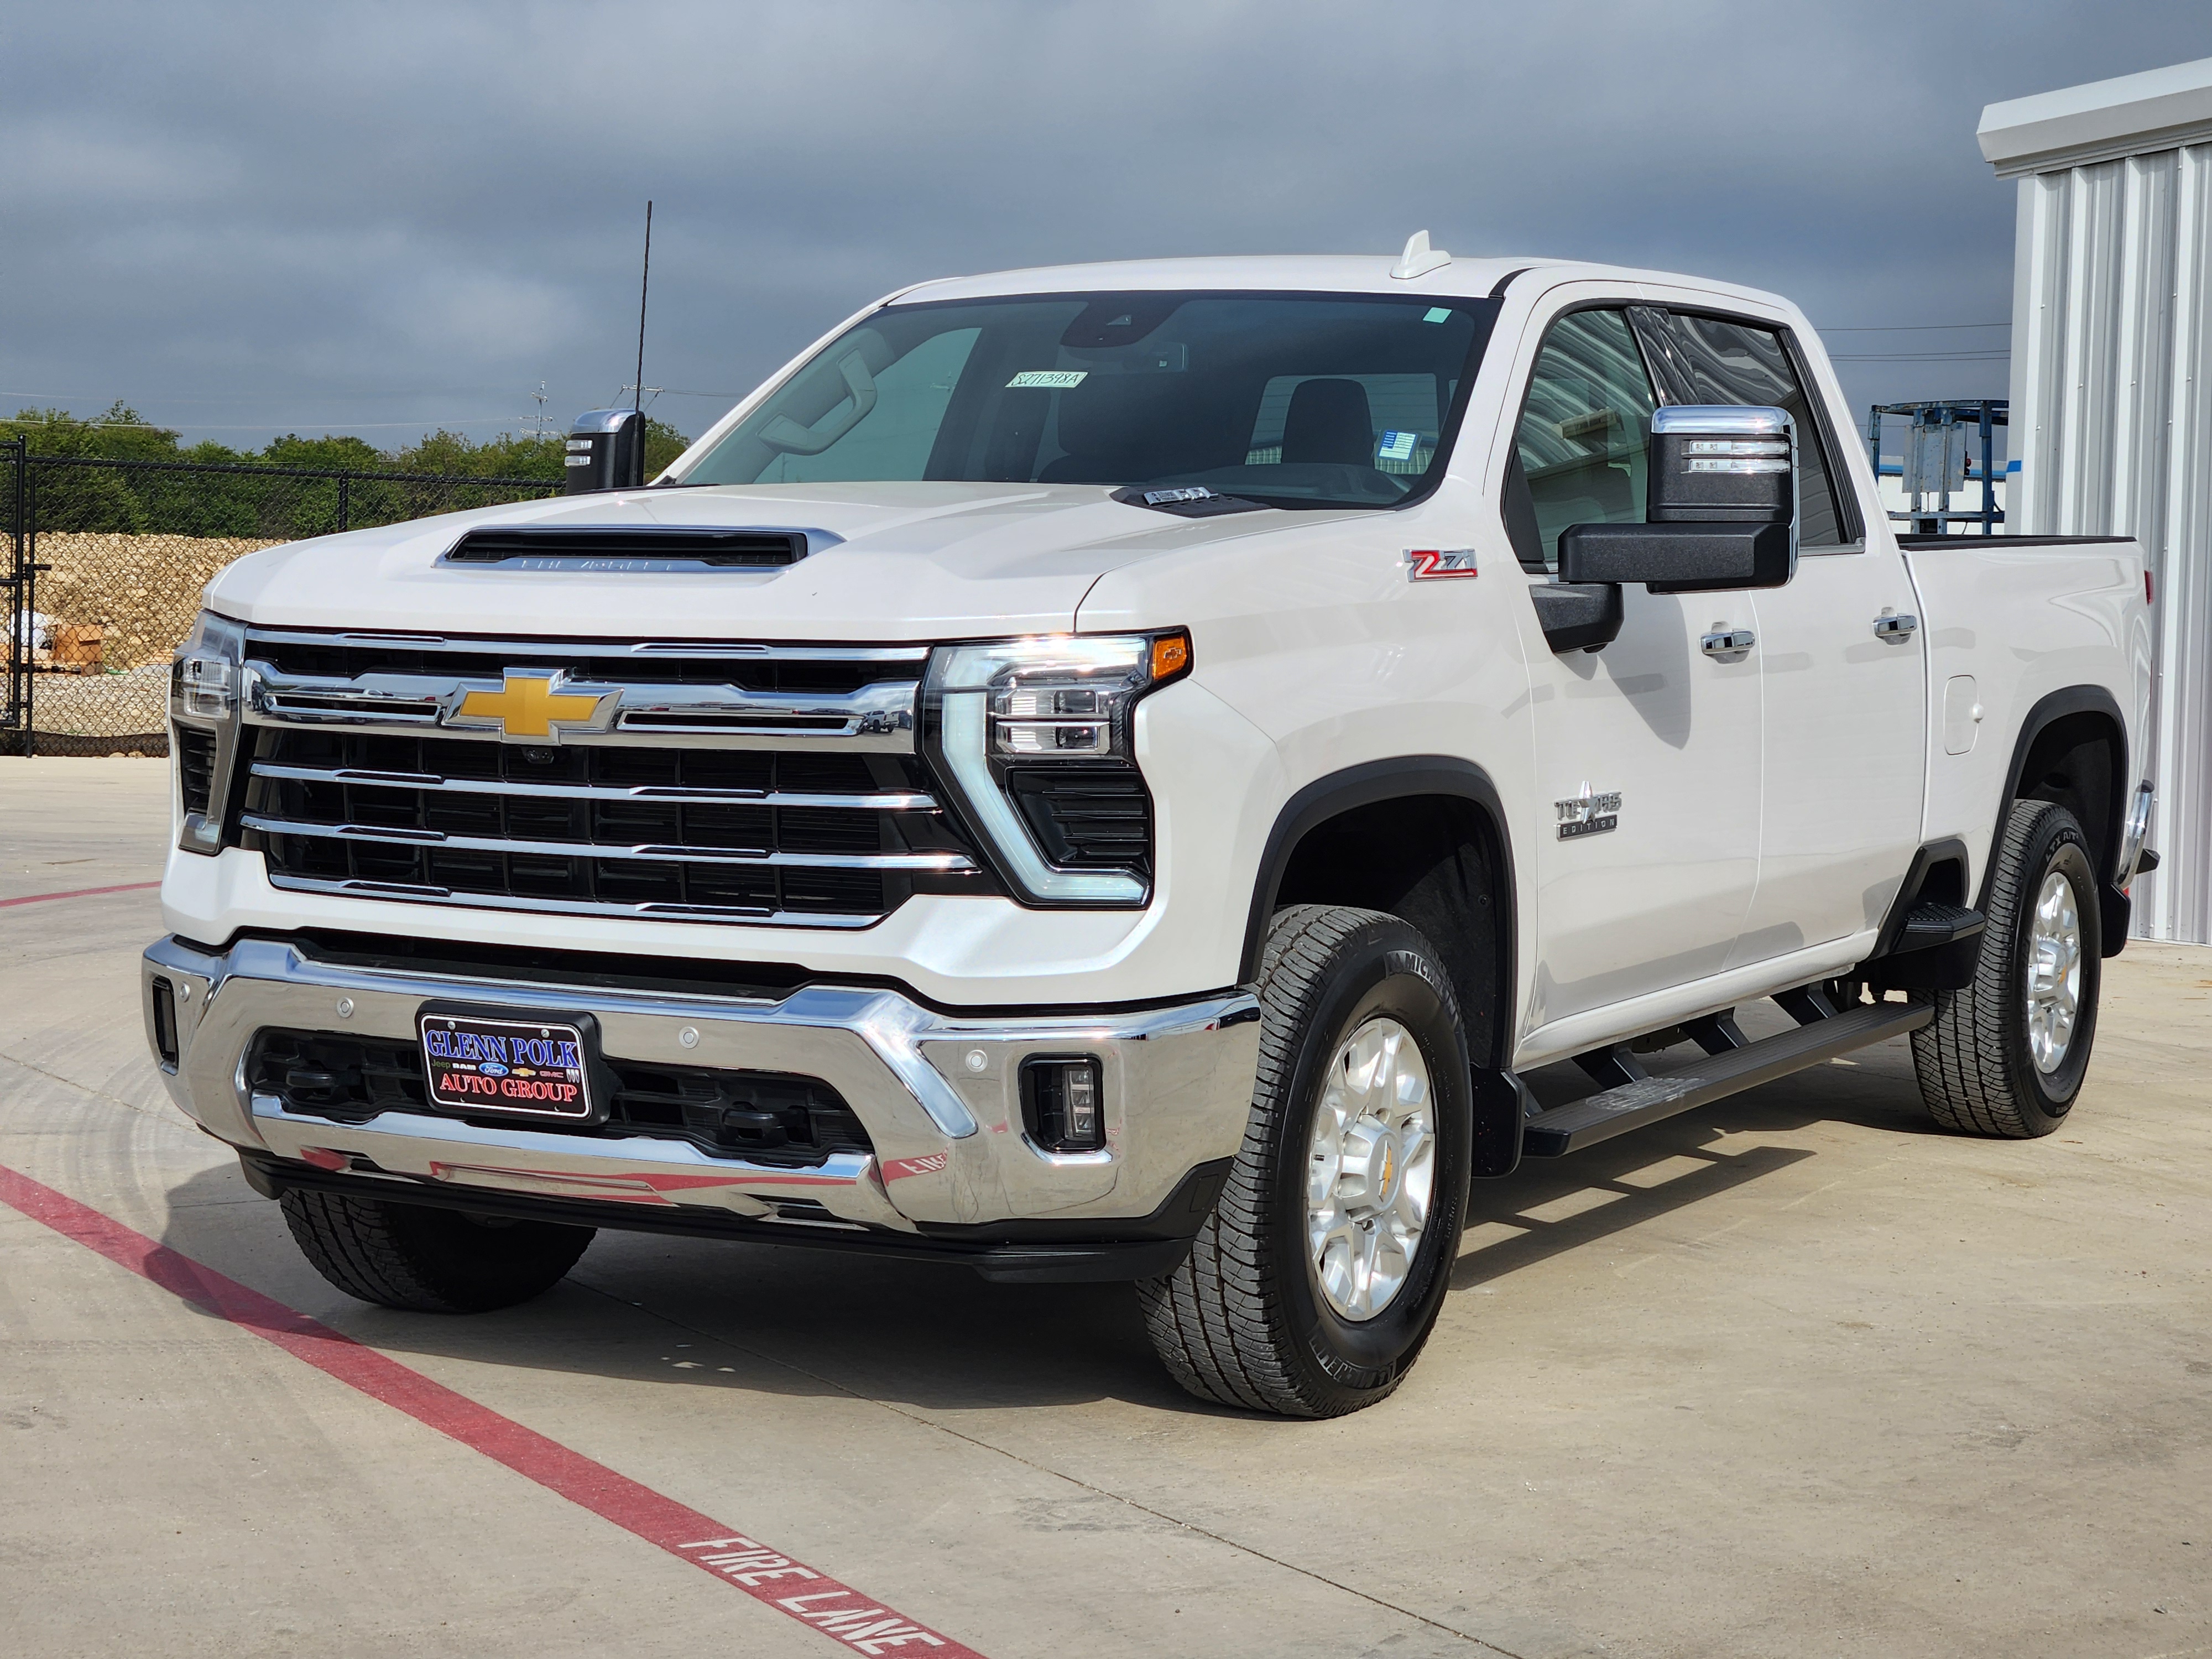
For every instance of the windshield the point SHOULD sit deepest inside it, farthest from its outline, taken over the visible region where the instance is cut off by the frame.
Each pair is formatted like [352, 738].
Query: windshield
[1295, 399]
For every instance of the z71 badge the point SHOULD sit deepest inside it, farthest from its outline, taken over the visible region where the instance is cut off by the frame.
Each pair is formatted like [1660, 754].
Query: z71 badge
[1589, 813]
[1430, 564]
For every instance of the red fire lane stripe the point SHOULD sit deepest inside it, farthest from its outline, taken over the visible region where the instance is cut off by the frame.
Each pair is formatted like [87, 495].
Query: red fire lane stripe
[799, 1592]
[81, 892]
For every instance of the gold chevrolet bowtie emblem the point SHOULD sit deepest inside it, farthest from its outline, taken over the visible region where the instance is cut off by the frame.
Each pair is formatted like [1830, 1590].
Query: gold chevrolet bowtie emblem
[527, 706]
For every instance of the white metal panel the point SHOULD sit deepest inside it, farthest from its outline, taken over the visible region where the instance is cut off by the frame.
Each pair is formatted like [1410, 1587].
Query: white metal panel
[2177, 900]
[2132, 115]
[2111, 423]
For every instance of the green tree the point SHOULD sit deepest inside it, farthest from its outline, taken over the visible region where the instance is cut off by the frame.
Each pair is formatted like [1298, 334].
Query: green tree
[90, 498]
[328, 453]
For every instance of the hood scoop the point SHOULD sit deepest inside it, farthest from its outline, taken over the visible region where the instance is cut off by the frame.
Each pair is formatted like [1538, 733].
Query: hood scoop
[631, 549]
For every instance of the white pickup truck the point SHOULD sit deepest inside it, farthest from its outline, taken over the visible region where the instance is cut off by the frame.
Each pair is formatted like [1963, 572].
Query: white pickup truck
[1113, 773]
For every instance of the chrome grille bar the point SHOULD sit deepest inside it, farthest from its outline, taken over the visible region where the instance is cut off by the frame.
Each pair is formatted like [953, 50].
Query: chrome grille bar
[402, 836]
[424, 893]
[373, 773]
[663, 795]
[595, 650]
[879, 716]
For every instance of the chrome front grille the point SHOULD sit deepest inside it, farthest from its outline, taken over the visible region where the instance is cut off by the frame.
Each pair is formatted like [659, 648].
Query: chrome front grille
[753, 784]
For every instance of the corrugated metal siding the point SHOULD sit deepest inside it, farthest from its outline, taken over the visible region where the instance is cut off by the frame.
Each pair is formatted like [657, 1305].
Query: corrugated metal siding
[2112, 423]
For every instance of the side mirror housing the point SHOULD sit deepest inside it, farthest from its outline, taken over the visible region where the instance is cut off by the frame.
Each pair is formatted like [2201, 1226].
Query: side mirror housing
[1723, 513]
[605, 450]
[1678, 558]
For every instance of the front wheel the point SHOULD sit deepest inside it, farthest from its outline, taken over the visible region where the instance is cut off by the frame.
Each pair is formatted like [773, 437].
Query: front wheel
[2006, 1055]
[1311, 1289]
[426, 1259]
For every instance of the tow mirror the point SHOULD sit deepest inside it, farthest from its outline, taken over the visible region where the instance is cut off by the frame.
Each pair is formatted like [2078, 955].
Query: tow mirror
[1723, 513]
[605, 450]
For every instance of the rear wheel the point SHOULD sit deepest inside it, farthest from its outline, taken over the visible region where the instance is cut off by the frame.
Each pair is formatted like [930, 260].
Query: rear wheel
[1311, 1289]
[2006, 1055]
[428, 1260]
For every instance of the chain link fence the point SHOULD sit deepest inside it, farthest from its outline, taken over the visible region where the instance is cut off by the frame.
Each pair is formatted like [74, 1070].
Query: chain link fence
[111, 557]
[14, 582]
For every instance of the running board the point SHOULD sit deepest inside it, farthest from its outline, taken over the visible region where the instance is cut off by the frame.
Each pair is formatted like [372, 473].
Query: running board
[1628, 1106]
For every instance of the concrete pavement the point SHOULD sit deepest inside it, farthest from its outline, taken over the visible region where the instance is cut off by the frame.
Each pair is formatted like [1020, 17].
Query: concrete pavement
[1792, 1375]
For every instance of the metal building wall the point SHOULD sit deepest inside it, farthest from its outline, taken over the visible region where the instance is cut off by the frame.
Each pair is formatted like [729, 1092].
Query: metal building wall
[2112, 420]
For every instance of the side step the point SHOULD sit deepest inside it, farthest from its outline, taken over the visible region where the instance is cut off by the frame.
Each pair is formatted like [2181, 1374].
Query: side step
[1930, 925]
[1628, 1106]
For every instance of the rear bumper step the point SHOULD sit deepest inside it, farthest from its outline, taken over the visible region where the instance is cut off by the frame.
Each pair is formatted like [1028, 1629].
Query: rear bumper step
[1615, 1111]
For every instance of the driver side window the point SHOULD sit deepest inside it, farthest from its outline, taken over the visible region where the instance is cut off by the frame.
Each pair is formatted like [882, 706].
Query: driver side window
[1581, 451]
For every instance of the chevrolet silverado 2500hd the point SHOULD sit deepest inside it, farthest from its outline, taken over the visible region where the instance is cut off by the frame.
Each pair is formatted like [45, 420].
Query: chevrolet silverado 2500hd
[1113, 773]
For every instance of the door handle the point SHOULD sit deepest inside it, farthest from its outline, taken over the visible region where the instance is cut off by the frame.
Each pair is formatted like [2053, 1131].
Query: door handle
[1727, 642]
[1887, 627]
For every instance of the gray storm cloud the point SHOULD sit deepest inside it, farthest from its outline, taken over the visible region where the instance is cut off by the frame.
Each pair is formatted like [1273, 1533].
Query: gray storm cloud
[245, 218]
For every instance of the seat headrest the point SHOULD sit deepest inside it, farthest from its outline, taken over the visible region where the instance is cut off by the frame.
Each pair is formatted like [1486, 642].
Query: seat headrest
[1329, 421]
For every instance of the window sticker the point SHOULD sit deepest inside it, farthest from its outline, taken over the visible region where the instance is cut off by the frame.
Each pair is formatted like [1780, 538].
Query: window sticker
[1058, 378]
[1438, 315]
[1398, 446]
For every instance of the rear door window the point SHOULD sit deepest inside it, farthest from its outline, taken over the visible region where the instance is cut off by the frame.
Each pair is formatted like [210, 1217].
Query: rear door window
[1714, 359]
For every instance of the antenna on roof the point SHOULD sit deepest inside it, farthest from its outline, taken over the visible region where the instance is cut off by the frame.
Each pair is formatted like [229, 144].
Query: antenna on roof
[1418, 259]
[644, 283]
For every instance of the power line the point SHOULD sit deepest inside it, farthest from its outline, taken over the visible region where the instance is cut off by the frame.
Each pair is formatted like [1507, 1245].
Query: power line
[1918, 356]
[1904, 328]
[244, 398]
[270, 426]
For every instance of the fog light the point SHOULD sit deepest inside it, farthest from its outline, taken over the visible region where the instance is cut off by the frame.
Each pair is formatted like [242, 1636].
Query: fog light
[165, 1023]
[1062, 1103]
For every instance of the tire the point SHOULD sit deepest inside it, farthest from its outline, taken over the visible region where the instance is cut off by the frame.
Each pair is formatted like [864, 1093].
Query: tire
[1247, 1319]
[428, 1260]
[1977, 1061]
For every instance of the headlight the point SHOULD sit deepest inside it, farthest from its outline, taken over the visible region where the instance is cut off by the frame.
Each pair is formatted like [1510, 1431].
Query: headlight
[1035, 739]
[204, 690]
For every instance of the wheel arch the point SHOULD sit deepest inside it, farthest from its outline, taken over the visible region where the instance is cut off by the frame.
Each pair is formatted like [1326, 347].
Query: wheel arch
[1375, 809]
[2072, 749]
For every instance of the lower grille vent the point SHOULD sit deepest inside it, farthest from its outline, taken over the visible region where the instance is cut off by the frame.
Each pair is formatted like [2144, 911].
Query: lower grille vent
[195, 768]
[1087, 816]
[765, 1117]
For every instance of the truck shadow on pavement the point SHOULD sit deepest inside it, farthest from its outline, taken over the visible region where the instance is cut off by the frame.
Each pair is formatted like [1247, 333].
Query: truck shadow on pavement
[763, 1320]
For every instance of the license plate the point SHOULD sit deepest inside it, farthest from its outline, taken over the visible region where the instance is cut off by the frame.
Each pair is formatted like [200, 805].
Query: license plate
[487, 1062]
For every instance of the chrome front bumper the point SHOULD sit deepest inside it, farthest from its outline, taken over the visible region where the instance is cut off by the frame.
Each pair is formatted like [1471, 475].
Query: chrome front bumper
[938, 1094]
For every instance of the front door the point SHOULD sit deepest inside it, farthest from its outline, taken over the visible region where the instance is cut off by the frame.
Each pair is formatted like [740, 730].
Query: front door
[1650, 890]
[1846, 724]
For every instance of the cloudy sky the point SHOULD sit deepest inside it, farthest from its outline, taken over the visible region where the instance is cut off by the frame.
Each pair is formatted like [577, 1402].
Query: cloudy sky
[247, 219]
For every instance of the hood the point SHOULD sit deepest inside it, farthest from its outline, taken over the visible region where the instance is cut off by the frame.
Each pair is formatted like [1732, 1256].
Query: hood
[911, 561]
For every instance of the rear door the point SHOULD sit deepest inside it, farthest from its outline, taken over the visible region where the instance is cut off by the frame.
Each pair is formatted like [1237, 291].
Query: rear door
[1844, 721]
[1647, 752]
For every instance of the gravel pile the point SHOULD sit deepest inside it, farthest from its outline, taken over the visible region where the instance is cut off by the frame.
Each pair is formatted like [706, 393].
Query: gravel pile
[144, 591]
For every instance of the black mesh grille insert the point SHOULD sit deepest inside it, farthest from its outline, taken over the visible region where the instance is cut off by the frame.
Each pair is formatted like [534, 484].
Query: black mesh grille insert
[764, 1117]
